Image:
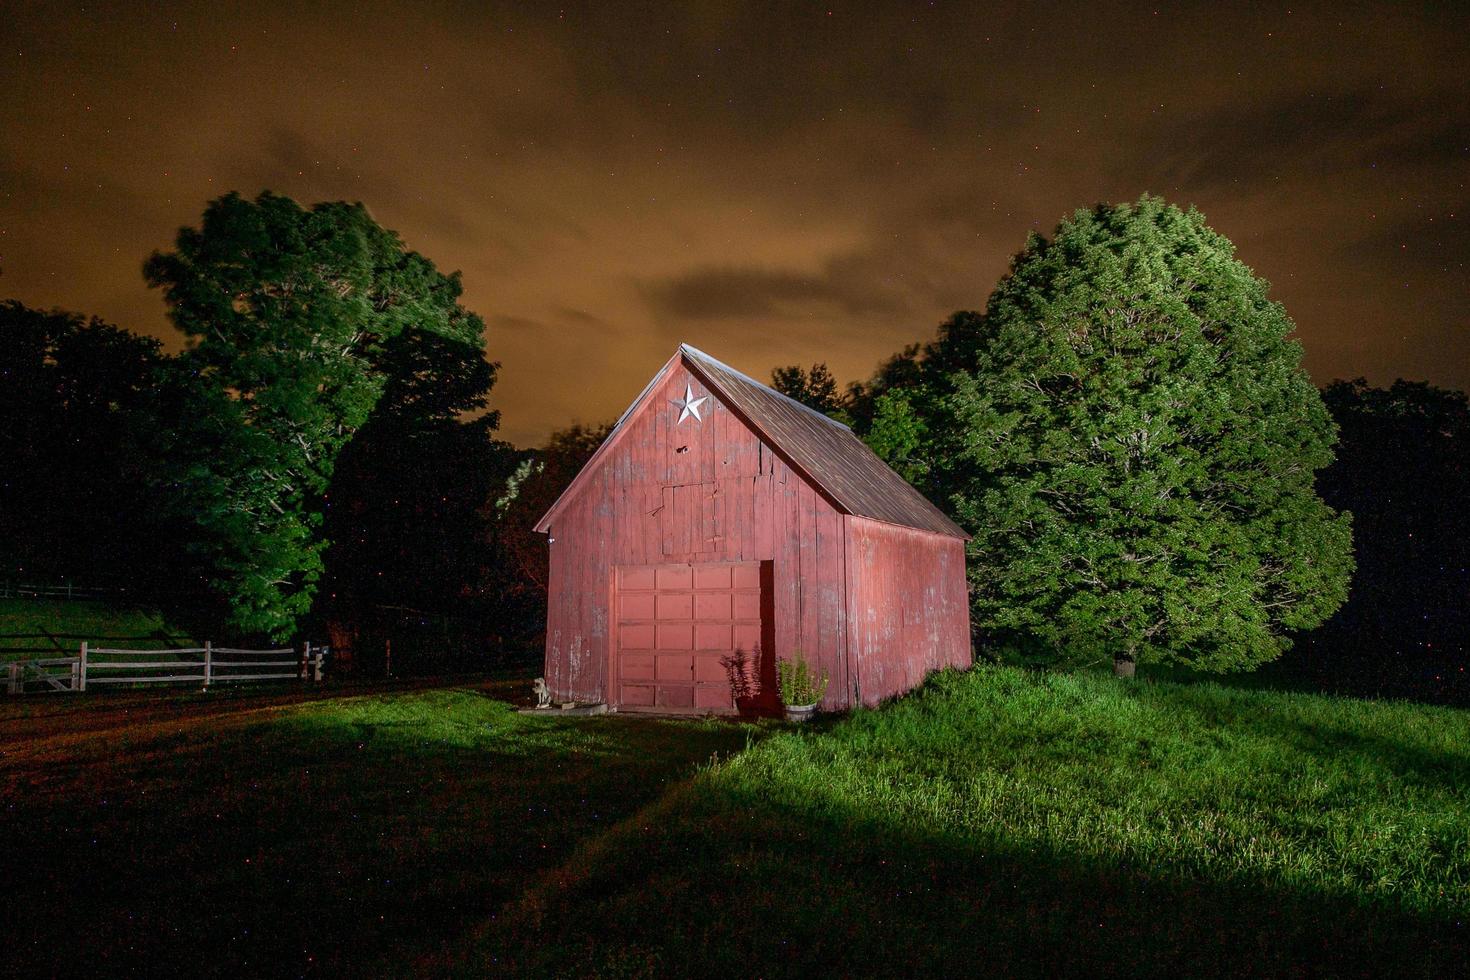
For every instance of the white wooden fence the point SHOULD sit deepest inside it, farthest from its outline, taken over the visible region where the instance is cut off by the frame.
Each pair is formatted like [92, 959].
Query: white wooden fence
[205, 665]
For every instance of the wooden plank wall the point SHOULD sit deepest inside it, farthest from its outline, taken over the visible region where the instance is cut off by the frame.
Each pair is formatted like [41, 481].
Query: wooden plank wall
[909, 606]
[735, 500]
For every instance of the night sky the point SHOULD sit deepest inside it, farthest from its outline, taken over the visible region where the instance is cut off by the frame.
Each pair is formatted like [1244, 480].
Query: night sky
[821, 182]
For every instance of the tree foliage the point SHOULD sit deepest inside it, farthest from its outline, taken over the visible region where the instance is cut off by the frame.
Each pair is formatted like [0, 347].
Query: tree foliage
[1128, 435]
[406, 513]
[289, 312]
[815, 388]
[533, 488]
[414, 552]
[892, 410]
[74, 501]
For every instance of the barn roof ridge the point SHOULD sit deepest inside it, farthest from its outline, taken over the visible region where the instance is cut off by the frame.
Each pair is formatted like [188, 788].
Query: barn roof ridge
[691, 349]
[826, 453]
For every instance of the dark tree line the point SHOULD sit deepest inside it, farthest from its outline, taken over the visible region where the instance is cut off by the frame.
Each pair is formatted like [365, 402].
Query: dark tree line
[320, 459]
[1403, 470]
[1125, 430]
[75, 501]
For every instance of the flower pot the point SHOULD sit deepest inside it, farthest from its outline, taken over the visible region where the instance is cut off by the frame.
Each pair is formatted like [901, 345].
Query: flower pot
[748, 706]
[800, 712]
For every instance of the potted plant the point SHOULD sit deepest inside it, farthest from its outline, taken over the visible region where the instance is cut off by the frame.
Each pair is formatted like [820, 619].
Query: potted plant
[801, 687]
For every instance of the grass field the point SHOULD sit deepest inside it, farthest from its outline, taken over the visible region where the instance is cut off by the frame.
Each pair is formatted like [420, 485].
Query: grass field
[997, 822]
[32, 628]
[1032, 825]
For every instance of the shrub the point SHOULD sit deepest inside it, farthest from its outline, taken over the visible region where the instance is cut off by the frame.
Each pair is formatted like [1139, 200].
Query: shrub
[799, 682]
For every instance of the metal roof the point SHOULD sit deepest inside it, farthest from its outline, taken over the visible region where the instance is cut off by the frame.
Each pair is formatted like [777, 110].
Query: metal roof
[822, 450]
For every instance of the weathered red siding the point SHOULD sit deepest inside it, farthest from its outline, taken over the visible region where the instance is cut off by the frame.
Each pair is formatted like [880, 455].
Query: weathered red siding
[876, 605]
[909, 610]
[734, 499]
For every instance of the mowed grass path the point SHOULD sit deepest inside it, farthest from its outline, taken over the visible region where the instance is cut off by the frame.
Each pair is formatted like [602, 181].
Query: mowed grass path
[358, 836]
[997, 822]
[1003, 822]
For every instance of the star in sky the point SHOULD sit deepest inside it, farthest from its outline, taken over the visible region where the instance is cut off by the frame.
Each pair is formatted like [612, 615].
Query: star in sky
[689, 405]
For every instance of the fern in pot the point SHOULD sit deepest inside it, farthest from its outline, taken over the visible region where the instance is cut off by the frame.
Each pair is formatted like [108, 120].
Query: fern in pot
[801, 687]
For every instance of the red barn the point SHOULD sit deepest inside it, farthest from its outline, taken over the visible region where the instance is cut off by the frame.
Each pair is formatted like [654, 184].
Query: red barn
[721, 519]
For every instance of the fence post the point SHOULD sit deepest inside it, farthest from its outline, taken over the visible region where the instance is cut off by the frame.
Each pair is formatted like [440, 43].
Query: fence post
[14, 685]
[76, 675]
[82, 668]
[208, 664]
[316, 666]
[305, 657]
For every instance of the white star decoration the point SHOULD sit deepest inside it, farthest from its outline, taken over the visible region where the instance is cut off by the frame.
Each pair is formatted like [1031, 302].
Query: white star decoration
[689, 405]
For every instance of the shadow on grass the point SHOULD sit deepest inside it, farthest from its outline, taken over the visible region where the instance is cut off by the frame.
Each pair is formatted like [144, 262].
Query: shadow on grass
[714, 881]
[351, 837]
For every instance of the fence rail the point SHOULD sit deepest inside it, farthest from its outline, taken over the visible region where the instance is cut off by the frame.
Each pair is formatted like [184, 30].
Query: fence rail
[76, 673]
[63, 590]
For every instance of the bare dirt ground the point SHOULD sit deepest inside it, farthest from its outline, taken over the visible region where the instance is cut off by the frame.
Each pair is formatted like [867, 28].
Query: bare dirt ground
[39, 723]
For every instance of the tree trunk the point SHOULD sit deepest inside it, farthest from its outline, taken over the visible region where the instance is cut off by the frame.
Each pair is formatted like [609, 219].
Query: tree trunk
[1123, 665]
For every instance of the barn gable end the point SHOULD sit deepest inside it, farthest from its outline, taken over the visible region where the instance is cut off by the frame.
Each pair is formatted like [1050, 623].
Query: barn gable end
[824, 451]
[700, 515]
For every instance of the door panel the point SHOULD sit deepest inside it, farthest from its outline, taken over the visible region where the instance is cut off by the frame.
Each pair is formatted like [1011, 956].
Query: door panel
[673, 605]
[637, 696]
[712, 636]
[677, 623]
[638, 666]
[709, 670]
[675, 636]
[712, 577]
[712, 605]
[636, 605]
[675, 667]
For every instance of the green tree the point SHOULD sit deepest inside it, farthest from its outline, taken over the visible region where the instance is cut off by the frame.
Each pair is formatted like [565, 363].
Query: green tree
[1129, 436]
[892, 410]
[815, 388]
[904, 369]
[531, 490]
[290, 312]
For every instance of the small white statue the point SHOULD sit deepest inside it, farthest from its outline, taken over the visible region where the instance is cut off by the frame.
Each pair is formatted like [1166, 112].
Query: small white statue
[543, 693]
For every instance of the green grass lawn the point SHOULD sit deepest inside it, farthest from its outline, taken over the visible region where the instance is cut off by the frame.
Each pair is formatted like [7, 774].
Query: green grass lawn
[1021, 824]
[996, 822]
[37, 628]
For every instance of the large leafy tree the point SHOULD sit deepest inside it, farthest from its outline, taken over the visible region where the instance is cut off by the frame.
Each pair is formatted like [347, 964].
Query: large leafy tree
[892, 410]
[289, 312]
[1129, 436]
